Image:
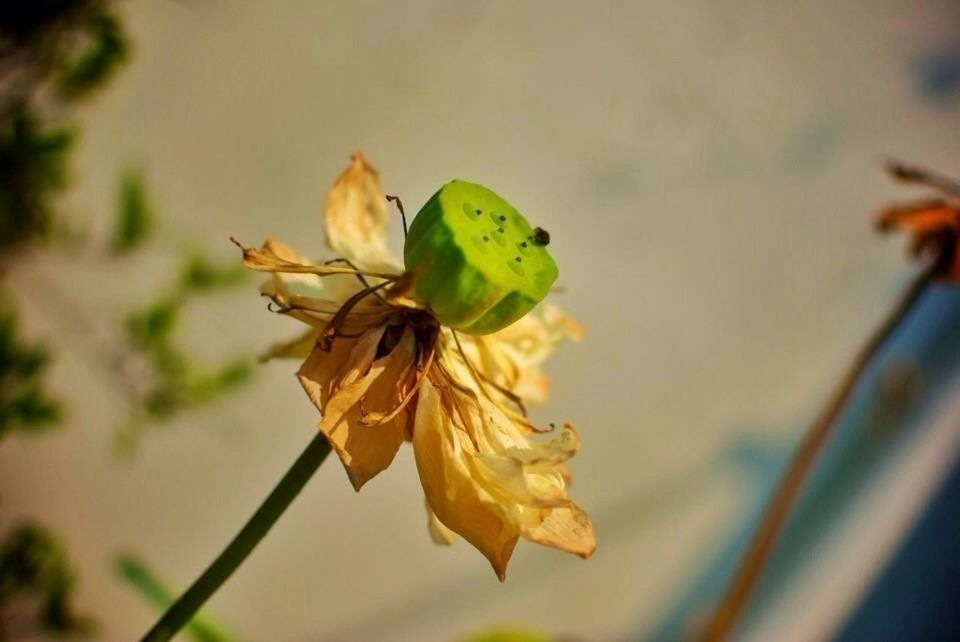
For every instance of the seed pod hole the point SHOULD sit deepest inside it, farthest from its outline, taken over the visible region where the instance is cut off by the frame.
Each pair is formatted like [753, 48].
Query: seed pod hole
[476, 280]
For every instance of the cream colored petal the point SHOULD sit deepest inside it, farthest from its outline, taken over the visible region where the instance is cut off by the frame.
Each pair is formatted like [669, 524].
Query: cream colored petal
[357, 386]
[356, 217]
[443, 456]
[526, 476]
[537, 334]
[318, 313]
[283, 251]
[551, 452]
[518, 469]
[285, 287]
[509, 481]
[511, 358]
[265, 260]
[568, 529]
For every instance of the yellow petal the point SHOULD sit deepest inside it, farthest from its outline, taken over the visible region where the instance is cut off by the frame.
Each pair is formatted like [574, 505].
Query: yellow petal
[566, 528]
[356, 217]
[334, 287]
[265, 260]
[439, 533]
[526, 477]
[511, 357]
[345, 383]
[323, 370]
[443, 455]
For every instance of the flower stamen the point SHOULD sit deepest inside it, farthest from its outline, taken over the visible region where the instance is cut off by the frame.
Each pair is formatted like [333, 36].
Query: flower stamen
[482, 386]
[332, 328]
[423, 367]
[403, 215]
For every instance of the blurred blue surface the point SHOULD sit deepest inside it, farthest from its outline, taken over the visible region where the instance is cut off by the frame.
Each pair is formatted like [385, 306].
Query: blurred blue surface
[890, 407]
[916, 597]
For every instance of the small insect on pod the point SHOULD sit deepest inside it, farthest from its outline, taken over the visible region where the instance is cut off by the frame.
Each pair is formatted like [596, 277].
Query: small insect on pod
[476, 262]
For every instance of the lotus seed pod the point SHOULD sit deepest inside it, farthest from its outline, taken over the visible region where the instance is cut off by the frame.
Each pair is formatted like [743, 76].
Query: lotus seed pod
[476, 261]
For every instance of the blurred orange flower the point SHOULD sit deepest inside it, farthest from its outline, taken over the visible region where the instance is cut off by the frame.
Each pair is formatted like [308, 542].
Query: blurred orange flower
[382, 370]
[933, 223]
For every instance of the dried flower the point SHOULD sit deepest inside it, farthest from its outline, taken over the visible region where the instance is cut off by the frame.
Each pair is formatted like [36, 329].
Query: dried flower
[382, 369]
[934, 223]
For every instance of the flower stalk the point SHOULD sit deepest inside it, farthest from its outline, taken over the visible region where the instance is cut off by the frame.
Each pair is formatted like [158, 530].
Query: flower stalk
[934, 226]
[181, 611]
[778, 510]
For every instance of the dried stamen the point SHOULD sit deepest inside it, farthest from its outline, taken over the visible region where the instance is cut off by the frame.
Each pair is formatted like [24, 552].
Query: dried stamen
[403, 215]
[922, 176]
[332, 328]
[423, 367]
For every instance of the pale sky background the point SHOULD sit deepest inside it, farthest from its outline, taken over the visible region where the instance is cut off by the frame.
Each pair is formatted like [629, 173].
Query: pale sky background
[707, 171]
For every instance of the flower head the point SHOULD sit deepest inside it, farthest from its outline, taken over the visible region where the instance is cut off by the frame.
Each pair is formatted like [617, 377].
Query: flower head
[382, 369]
[933, 223]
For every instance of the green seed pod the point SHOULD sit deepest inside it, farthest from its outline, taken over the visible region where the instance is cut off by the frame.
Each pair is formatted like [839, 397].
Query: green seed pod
[476, 262]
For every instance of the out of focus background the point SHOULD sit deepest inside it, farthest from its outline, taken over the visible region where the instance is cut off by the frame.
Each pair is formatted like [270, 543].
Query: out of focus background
[707, 171]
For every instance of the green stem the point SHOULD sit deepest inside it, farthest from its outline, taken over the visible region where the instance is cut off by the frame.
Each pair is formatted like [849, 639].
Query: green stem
[243, 543]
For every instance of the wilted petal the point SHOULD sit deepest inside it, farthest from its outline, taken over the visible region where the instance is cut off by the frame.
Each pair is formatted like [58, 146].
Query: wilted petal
[518, 486]
[502, 462]
[356, 217]
[551, 452]
[511, 357]
[345, 383]
[265, 260]
[324, 370]
[566, 528]
[444, 460]
[334, 287]
[439, 533]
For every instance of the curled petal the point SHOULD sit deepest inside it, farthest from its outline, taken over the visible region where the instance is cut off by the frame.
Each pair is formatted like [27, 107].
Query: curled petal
[439, 533]
[356, 217]
[343, 382]
[549, 453]
[488, 481]
[331, 287]
[511, 358]
[516, 485]
[265, 260]
[566, 528]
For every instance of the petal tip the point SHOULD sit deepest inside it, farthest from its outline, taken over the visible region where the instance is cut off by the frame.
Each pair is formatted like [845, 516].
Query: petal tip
[587, 554]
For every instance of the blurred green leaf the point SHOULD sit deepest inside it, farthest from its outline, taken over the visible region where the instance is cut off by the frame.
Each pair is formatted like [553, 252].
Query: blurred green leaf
[24, 405]
[152, 326]
[105, 52]
[139, 577]
[201, 275]
[33, 565]
[221, 381]
[33, 170]
[134, 219]
[177, 381]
